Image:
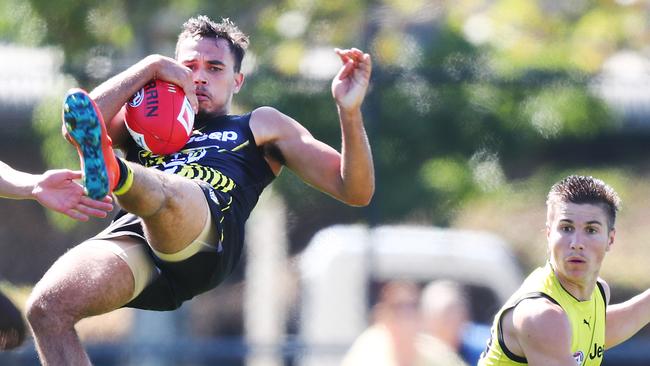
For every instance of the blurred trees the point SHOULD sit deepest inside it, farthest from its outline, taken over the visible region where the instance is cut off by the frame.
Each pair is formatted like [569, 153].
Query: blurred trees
[466, 96]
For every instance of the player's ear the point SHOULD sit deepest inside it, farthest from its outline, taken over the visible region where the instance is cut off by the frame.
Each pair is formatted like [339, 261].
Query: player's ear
[610, 239]
[239, 81]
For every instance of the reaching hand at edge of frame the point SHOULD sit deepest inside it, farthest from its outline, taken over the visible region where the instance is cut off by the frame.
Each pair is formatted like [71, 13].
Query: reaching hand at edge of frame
[57, 190]
[351, 83]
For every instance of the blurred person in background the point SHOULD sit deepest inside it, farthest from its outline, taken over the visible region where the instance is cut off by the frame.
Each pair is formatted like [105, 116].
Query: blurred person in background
[445, 314]
[561, 314]
[58, 191]
[181, 230]
[390, 339]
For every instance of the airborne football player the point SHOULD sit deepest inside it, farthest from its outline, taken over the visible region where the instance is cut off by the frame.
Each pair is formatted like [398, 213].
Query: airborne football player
[182, 228]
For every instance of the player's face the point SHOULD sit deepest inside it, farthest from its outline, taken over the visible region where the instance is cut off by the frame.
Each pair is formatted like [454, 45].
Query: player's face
[578, 238]
[212, 64]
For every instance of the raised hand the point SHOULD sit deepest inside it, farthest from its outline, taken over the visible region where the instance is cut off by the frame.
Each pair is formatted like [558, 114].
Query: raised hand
[351, 83]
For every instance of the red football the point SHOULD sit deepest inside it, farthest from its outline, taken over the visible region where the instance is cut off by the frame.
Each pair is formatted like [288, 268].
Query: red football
[159, 117]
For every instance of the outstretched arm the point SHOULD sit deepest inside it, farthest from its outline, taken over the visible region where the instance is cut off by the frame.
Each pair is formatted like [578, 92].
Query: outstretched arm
[54, 189]
[347, 175]
[625, 319]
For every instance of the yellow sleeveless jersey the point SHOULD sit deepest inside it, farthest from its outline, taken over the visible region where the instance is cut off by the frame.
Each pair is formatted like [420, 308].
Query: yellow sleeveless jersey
[587, 320]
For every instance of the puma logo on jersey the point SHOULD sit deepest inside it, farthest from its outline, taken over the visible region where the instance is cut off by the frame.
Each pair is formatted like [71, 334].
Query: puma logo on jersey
[586, 322]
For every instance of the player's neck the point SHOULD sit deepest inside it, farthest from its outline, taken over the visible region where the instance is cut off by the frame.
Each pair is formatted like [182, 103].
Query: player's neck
[207, 116]
[581, 288]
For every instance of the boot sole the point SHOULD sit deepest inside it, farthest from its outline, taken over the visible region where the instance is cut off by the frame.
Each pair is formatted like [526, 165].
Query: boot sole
[84, 127]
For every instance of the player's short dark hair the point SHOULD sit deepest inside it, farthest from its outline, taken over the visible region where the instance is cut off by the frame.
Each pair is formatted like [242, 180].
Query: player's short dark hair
[203, 26]
[585, 190]
[12, 326]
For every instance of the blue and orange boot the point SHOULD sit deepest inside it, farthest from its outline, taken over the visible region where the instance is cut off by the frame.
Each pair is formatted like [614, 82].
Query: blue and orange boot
[87, 132]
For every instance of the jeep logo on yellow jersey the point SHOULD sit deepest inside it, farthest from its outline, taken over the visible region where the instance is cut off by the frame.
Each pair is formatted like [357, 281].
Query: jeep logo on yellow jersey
[596, 352]
[217, 135]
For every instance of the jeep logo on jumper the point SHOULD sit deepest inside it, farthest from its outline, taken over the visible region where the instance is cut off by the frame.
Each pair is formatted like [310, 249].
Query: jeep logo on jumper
[597, 352]
[218, 135]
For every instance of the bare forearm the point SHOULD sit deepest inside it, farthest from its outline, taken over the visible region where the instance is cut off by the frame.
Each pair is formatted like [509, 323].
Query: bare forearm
[357, 168]
[111, 95]
[627, 318]
[15, 184]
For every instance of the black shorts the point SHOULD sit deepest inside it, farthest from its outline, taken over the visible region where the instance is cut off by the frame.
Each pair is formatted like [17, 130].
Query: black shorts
[180, 281]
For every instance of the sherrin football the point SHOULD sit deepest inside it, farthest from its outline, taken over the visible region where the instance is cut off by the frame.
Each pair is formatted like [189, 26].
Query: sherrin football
[159, 117]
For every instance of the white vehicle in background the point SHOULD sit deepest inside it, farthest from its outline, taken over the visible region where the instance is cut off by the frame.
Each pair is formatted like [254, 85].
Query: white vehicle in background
[341, 263]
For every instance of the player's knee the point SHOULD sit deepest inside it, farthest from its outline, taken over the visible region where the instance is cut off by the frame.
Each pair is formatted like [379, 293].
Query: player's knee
[35, 310]
[45, 311]
[177, 195]
[167, 197]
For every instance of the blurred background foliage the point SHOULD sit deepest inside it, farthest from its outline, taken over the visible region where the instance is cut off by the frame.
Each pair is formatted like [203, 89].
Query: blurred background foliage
[476, 106]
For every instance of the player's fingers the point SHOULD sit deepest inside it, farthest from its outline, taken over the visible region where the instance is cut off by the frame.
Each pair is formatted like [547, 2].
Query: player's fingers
[73, 174]
[76, 215]
[190, 93]
[365, 64]
[97, 205]
[352, 53]
[367, 59]
[176, 73]
[194, 101]
[343, 54]
[356, 52]
[346, 70]
[90, 211]
[187, 83]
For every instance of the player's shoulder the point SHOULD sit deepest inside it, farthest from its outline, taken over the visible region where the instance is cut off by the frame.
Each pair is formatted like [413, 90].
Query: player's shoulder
[541, 332]
[605, 288]
[542, 319]
[266, 113]
[269, 124]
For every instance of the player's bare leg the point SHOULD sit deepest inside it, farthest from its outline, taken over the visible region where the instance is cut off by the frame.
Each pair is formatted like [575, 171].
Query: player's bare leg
[173, 208]
[82, 283]
[86, 282]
